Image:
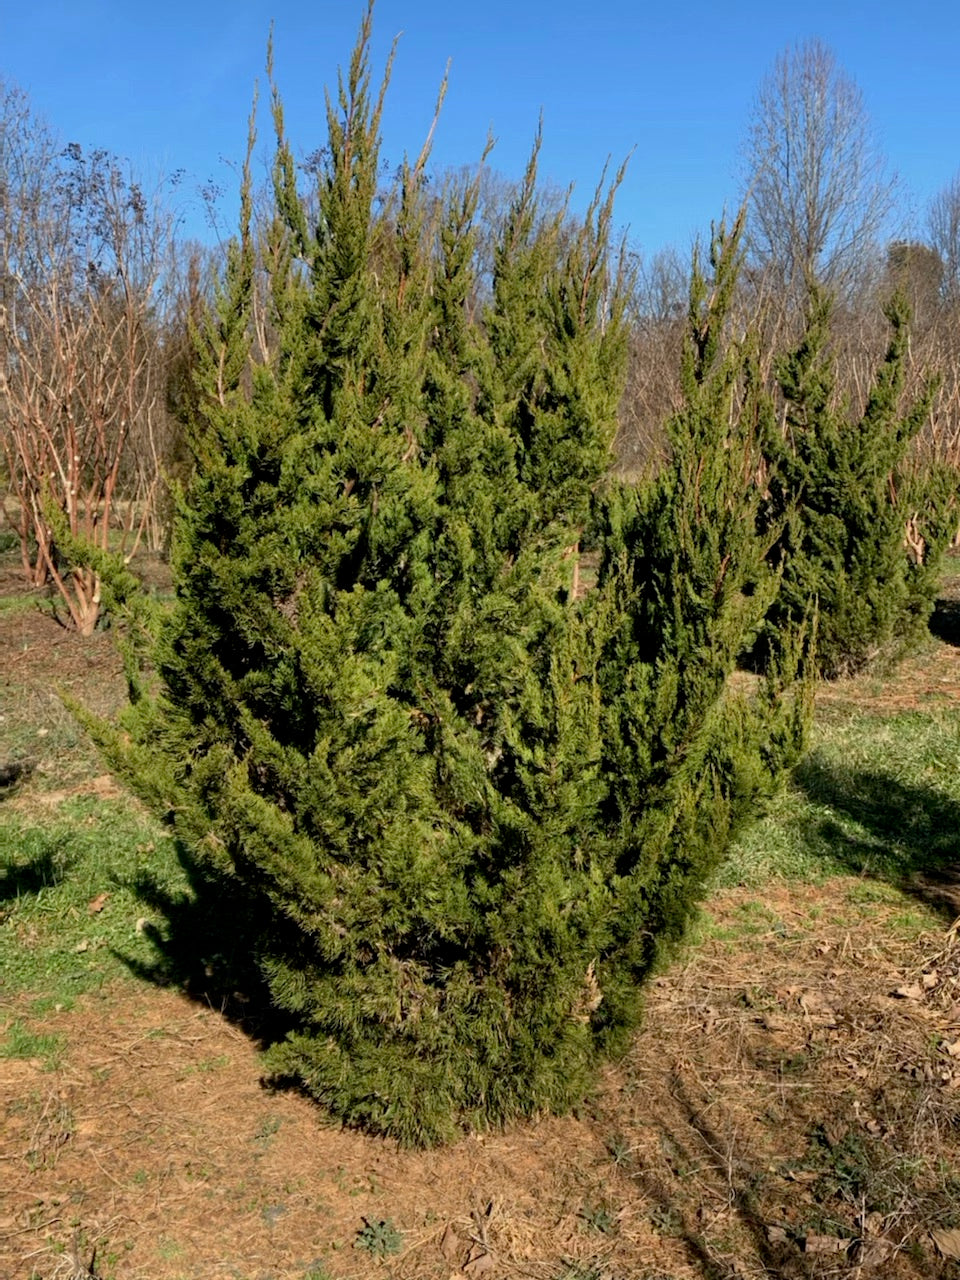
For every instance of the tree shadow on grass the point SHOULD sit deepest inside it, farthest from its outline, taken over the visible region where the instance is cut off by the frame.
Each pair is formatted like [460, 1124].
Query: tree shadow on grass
[207, 947]
[45, 871]
[885, 829]
[12, 774]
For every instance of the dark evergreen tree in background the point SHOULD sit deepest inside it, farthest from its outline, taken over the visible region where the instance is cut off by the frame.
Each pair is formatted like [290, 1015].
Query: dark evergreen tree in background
[466, 799]
[863, 528]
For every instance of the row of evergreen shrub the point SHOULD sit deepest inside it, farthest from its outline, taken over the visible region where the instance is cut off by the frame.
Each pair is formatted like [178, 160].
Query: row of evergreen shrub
[471, 802]
[861, 528]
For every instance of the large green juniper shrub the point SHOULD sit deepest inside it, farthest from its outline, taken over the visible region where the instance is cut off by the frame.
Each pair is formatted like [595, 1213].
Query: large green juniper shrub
[863, 525]
[686, 583]
[472, 800]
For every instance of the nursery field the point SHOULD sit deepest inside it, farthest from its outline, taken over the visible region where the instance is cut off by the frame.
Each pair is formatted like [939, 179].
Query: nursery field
[791, 1107]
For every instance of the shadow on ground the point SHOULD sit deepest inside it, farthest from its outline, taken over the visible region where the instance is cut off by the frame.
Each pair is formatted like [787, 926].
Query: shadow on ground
[208, 948]
[688, 1141]
[906, 835]
[796, 1201]
[44, 871]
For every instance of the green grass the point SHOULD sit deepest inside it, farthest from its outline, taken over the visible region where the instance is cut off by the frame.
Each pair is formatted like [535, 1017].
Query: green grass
[878, 796]
[53, 870]
[21, 603]
[35, 726]
[18, 1041]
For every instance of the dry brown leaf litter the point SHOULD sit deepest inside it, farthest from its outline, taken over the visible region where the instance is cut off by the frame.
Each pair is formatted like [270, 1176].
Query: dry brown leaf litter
[726, 1143]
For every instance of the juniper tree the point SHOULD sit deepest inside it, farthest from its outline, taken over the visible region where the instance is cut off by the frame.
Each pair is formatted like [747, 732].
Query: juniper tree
[686, 758]
[458, 794]
[848, 495]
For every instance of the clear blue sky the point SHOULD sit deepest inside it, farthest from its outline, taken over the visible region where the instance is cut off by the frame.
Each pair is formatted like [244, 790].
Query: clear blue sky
[168, 86]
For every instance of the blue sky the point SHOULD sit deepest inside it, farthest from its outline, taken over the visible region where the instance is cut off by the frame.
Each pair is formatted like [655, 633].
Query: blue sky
[169, 86]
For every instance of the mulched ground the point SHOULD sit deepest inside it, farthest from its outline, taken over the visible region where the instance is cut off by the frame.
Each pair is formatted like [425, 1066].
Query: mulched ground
[791, 1108]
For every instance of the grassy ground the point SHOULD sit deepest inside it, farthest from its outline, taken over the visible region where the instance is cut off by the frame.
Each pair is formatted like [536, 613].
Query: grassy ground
[791, 1108]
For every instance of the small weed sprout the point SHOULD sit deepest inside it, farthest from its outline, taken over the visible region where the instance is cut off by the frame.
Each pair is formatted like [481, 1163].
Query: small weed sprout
[379, 1238]
[619, 1150]
[599, 1217]
[666, 1219]
[266, 1129]
[20, 1042]
[317, 1271]
[580, 1271]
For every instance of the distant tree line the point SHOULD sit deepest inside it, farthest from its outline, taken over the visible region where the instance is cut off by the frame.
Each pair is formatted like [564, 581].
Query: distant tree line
[100, 304]
[822, 215]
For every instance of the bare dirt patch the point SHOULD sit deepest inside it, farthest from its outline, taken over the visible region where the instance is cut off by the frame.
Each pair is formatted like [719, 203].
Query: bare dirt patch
[36, 649]
[156, 1141]
[39, 652]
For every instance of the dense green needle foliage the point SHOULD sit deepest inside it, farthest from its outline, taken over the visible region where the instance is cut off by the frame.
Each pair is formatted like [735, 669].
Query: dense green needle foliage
[863, 529]
[685, 580]
[469, 799]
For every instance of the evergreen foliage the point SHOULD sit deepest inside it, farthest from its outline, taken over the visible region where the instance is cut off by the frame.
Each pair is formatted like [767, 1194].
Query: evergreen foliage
[848, 494]
[466, 800]
[687, 753]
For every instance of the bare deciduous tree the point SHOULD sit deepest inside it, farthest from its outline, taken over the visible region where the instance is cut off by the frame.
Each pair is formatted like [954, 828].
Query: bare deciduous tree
[81, 250]
[817, 185]
[658, 318]
[28, 154]
[943, 221]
